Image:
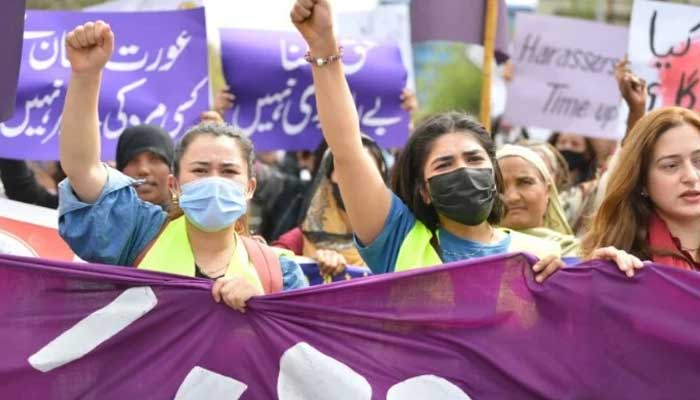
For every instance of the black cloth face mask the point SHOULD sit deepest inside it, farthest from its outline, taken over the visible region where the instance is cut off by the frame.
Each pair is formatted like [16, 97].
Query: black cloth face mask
[576, 161]
[464, 195]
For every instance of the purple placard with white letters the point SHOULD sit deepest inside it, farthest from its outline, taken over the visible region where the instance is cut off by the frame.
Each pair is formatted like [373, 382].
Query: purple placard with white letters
[275, 103]
[158, 75]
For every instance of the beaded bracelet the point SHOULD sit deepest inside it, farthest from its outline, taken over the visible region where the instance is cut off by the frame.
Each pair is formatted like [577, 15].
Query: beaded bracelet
[320, 62]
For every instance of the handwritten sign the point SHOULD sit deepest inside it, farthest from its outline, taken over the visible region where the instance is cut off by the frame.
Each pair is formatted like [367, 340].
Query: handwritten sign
[11, 25]
[664, 49]
[275, 102]
[157, 75]
[565, 75]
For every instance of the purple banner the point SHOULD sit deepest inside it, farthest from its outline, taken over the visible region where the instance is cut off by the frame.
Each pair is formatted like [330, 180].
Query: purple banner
[479, 329]
[157, 75]
[11, 26]
[275, 103]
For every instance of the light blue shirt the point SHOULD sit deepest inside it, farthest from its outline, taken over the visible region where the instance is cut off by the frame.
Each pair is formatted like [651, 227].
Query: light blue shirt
[119, 225]
[382, 253]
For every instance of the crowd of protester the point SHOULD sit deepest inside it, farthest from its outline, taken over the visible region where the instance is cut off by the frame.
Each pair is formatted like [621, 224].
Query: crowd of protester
[208, 206]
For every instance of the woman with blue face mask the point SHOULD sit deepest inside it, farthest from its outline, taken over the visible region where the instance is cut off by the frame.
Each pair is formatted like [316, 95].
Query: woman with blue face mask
[447, 187]
[103, 220]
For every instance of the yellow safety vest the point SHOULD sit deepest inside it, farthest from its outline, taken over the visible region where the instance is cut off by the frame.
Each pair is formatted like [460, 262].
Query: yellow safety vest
[171, 253]
[416, 251]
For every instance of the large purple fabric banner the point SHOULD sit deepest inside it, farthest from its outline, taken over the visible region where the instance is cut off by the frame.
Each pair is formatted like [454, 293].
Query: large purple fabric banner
[11, 26]
[275, 103]
[157, 75]
[471, 330]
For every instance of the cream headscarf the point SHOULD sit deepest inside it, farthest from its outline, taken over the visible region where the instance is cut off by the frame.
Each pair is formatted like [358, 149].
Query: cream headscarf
[554, 217]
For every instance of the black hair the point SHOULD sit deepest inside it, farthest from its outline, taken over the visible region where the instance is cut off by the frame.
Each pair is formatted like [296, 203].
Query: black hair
[591, 166]
[216, 130]
[408, 179]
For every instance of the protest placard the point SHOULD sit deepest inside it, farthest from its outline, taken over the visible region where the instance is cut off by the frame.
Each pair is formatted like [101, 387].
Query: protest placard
[275, 103]
[564, 75]
[389, 23]
[664, 50]
[157, 75]
[11, 27]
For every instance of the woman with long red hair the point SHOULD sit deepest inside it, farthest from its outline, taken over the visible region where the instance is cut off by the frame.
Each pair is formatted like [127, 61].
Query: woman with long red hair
[651, 207]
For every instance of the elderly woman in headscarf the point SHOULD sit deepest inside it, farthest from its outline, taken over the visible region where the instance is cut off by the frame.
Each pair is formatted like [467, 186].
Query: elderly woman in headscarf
[532, 199]
[324, 233]
[555, 162]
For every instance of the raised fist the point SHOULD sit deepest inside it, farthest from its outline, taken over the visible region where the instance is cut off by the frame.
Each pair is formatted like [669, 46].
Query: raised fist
[89, 46]
[632, 88]
[313, 19]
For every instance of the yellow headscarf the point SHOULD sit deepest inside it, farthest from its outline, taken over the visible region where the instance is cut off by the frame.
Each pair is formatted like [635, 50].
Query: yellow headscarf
[326, 225]
[554, 217]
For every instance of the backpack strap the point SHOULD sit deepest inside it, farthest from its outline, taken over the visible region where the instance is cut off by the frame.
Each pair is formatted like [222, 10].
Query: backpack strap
[266, 263]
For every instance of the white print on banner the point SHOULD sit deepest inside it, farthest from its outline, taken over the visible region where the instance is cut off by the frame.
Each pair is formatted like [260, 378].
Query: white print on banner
[564, 75]
[305, 373]
[664, 49]
[201, 383]
[96, 328]
[291, 58]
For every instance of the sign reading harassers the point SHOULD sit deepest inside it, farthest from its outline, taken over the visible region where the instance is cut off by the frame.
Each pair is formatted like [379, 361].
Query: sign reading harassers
[565, 75]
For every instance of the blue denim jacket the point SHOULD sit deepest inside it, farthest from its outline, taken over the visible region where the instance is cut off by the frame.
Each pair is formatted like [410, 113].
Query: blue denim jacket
[119, 225]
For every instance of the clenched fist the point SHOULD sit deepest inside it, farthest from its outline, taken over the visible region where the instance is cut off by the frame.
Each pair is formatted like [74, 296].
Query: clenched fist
[313, 19]
[89, 47]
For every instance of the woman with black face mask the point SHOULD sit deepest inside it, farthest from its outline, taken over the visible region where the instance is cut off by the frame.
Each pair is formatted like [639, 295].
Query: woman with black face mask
[579, 153]
[446, 184]
[578, 199]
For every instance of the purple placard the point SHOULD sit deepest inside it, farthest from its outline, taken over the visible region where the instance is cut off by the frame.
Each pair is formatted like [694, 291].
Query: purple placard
[275, 103]
[480, 329]
[458, 21]
[158, 74]
[11, 26]
[564, 75]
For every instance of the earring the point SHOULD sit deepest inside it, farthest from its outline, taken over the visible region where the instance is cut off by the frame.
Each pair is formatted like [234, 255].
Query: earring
[644, 193]
[174, 199]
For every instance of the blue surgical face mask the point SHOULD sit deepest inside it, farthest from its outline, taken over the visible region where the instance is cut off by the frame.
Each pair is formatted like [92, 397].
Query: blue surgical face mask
[213, 203]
